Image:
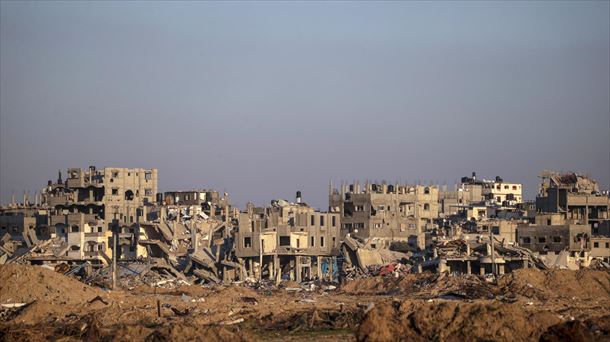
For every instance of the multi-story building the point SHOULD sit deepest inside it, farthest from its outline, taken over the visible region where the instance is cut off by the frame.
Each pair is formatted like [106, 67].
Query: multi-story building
[86, 206]
[502, 193]
[287, 240]
[386, 212]
[211, 202]
[473, 193]
[576, 198]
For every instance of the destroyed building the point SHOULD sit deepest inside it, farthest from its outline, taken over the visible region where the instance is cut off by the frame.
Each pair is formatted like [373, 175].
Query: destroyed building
[209, 202]
[288, 241]
[575, 197]
[85, 206]
[398, 212]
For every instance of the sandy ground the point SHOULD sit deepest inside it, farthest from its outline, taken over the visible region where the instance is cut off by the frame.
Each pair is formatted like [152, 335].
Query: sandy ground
[523, 306]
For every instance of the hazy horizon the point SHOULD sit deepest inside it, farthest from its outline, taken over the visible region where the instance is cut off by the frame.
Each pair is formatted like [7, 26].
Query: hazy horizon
[261, 99]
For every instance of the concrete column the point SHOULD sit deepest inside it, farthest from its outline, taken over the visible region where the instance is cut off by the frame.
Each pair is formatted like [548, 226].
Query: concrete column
[482, 269]
[468, 267]
[319, 260]
[298, 268]
[442, 266]
[278, 269]
[271, 269]
[250, 268]
[501, 269]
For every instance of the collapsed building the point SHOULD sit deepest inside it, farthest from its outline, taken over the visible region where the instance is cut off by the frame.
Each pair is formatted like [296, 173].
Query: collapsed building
[570, 220]
[288, 241]
[198, 234]
[388, 212]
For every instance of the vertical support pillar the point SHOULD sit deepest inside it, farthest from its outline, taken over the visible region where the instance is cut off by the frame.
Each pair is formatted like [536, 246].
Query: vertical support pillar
[319, 262]
[468, 267]
[278, 269]
[298, 268]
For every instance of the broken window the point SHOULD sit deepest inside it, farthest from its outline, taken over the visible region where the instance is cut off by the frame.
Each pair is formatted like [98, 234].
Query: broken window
[334, 241]
[313, 220]
[115, 174]
[334, 220]
[247, 242]
[313, 241]
[526, 239]
[129, 195]
[148, 176]
[556, 239]
[284, 240]
[115, 191]
[321, 241]
[541, 239]
[148, 192]
[495, 230]
[298, 243]
[426, 206]
[321, 220]
[595, 244]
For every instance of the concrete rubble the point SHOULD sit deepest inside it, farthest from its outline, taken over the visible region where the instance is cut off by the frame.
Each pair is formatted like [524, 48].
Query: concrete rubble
[422, 243]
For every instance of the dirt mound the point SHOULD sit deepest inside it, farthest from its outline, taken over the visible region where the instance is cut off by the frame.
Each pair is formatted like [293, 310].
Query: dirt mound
[189, 332]
[589, 330]
[89, 328]
[452, 320]
[543, 285]
[25, 283]
[423, 286]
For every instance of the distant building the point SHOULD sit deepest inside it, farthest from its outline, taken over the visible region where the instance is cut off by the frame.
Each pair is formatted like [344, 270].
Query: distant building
[576, 198]
[84, 206]
[287, 240]
[387, 212]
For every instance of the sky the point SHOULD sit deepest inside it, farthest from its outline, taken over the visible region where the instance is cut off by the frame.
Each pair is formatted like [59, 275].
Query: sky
[260, 99]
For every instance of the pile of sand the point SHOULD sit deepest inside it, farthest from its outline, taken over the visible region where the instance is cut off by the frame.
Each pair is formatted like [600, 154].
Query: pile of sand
[558, 283]
[25, 284]
[454, 321]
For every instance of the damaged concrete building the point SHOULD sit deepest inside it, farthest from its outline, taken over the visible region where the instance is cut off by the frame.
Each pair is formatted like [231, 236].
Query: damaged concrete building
[571, 214]
[86, 206]
[481, 198]
[389, 212]
[575, 197]
[288, 241]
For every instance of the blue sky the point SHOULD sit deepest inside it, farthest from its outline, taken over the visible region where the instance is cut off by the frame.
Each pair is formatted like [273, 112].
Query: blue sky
[261, 99]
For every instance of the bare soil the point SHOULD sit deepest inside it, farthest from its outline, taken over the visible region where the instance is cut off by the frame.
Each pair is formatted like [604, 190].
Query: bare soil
[523, 306]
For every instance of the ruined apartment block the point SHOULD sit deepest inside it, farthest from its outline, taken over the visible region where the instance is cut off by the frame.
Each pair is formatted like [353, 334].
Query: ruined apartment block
[288, 241]
[387, 212]
[85, 206]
